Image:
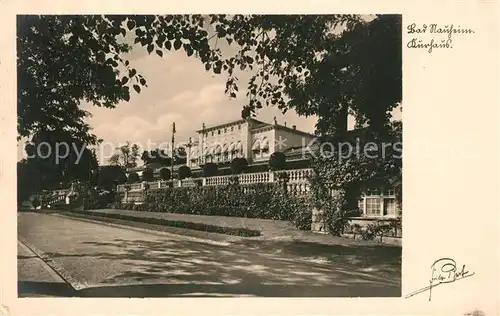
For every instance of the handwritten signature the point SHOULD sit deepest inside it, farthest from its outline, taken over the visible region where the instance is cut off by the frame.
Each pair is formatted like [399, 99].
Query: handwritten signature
[443, 271]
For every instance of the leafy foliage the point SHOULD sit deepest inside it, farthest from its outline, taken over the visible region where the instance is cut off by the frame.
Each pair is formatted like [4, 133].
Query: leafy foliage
[267, 201]
[378, 229]
[111, 175]
[159, 156]
[28, 181]
[133, 177]
[347, 173]
[180, 156]
[35, 201]
[74, 65]
[238, 165]
[184, 172]
[126, 157]
[55, 158]
[356, 230]
[148, 174]
[99, 198]
[210, 169]
[277, 161]
[165, 174]
[299, 62]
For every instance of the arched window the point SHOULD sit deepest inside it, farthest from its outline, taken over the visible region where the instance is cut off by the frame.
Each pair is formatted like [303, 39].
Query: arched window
[256, 146]
[264, 145]
[225, 151]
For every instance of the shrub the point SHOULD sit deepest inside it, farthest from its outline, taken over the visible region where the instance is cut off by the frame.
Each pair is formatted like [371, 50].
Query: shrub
[101, 199]
[266, 201]
[133, 177]
[35, 201]
[277, 161]
[165, 174]
[377, 229]
[396, 228]
[184, 172]
[356, 230]
[369, 232]
[210, 169]
[238, 165]
[147, 175]
[383, 230]
[116, 205]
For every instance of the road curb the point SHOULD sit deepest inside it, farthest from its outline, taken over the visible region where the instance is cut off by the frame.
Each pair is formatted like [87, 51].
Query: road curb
[57, 268]
[149, 231]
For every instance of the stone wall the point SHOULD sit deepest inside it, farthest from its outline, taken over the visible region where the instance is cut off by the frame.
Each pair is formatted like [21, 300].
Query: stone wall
[318, 221]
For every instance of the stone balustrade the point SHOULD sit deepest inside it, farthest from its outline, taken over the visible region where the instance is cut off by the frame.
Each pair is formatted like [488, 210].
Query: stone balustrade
[259, 177]
[135, 186]
[297, 181]
[299, 175]
[188, 183]
[217, 180]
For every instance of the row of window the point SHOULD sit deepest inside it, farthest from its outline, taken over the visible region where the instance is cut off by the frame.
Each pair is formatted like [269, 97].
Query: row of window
[378, 206]
[264, 150]
[222, 131]
[225, 157]
[378, 192]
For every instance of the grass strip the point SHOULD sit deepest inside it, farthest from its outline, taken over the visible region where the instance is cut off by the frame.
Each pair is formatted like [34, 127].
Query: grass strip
[242, 232]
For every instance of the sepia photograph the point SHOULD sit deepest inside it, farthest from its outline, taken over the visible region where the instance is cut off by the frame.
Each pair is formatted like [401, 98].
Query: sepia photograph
[209, 155]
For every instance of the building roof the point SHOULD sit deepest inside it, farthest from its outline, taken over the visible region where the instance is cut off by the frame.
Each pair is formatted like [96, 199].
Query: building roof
[240, 121]
[282, 127]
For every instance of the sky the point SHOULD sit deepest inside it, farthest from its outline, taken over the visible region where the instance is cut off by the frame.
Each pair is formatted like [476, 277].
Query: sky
[179, 90]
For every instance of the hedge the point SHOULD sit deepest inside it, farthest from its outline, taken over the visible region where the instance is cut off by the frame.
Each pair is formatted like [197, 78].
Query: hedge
[265, 201]
[244, 232]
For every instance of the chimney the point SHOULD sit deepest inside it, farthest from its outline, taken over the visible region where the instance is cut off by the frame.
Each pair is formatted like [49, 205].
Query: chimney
[294, 127]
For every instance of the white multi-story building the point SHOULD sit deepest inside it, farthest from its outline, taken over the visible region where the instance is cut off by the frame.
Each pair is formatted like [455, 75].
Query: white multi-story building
[251, 139]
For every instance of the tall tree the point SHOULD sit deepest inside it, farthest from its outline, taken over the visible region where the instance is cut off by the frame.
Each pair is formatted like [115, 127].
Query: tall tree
[82, 60]
[28, 180]
[324, 65]
[180, 156]
[127, 156]
[58, 158]
[109, 176]
[159, 156]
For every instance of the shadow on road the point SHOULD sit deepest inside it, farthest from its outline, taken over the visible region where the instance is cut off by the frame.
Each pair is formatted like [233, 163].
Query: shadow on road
[135, 265]
[239, 289]
[179, 267]
[56, 289]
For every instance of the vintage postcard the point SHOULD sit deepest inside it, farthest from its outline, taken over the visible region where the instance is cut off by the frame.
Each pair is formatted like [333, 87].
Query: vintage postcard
[275, 158]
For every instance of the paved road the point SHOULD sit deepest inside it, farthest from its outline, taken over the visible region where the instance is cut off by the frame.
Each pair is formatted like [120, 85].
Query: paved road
[98, 260]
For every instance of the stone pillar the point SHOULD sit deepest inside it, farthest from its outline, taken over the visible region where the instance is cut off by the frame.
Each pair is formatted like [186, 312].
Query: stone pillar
[246, 140]
[318, 221]
[382, 202]
[271, 176]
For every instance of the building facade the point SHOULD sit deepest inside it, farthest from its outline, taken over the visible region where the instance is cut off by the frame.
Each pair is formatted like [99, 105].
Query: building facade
[250, 139]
